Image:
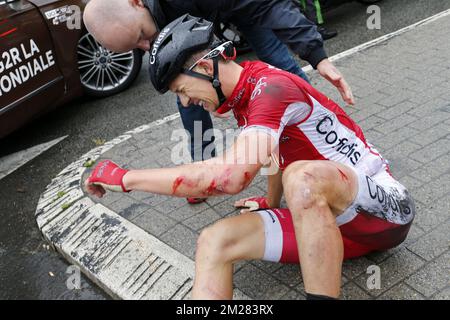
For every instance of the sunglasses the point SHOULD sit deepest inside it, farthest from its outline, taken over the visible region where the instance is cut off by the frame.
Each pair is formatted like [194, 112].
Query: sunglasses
[226, 50]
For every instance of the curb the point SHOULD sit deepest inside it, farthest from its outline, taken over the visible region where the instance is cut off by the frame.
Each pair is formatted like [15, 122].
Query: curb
[124, 260]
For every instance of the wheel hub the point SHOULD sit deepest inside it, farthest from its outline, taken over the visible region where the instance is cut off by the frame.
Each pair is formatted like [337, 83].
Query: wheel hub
[101, 69]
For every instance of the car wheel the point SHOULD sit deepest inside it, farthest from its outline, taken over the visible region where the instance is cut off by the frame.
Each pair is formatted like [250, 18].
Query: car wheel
[103, 72]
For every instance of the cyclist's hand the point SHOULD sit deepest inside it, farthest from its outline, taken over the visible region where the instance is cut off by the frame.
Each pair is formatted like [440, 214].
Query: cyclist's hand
[252, 204]
[332, 74]
[106, 176]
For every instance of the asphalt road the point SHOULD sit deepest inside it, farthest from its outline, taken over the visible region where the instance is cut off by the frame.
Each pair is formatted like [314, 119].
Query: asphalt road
[30, 271]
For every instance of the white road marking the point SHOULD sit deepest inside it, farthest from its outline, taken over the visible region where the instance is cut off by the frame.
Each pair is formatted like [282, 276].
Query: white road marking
[12, 162]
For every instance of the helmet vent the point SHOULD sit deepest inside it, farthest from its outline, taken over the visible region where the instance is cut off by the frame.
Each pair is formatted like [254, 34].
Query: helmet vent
[166, 41]
[199, 27]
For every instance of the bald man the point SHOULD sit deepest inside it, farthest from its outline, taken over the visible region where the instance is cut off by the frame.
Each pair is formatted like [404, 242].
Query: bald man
[271, 27]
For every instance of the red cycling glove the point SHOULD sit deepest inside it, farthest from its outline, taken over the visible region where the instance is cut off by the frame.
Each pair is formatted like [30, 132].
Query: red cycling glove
[108, 175]
[256, 203]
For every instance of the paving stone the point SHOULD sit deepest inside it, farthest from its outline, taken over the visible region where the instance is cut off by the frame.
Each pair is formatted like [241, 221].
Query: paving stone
[401, 150]
[379, 256]
[372, 122]
[414, 235]
[239, 265]
[442, 164]
[129, 208]
[164, 158]
[152, 200]
[154, 222]
[433, 277]
[144, 162]
[290, 275]
[411, 183]
[212, 201]
[395, 99]
[109, 198]
[443, 295]
[293, 295]
[432, 151]
[354, 267]
[431, 123]
[153, 150]
[141, 196]
[433, 243]
[226, 207]
[429, 101]
[401, 167]
[433, 215]
[429, 106]
[401, 292]
[352, 292]
[259, 285]
[393, 270]
[187, 210]
[437, 188]
[267, 266]
[181, 239]
[387, 141]
[202, 220]
[399, 109]
[393, 124]
[406, 83]
[124, 149]
[170, 205]
[375, 137]
[426, 173]
[367, 112]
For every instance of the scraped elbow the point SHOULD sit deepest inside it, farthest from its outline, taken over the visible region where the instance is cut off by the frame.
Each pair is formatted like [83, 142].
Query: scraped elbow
[235, 182]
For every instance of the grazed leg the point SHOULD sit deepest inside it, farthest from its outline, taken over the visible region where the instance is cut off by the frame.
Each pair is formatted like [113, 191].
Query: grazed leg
[316, 193]
[218, 247]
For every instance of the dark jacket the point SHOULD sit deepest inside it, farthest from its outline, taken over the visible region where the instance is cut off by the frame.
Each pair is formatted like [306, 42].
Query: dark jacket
[282, 16]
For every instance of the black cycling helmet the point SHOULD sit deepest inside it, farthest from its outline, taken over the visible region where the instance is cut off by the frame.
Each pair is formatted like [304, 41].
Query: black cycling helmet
[176, 43]
[156, 12]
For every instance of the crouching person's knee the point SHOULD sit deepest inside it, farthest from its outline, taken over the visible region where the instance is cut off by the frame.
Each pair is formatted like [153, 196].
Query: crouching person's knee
[214, 243]
[303, 187]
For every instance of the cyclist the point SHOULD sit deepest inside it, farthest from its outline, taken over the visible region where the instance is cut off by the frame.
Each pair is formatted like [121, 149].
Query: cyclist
[342, 200]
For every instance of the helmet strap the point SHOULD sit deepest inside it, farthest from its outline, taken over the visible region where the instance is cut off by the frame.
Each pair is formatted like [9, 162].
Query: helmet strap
[215, 82]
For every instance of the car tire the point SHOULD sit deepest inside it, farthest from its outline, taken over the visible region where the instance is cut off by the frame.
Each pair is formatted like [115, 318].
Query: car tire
[104, 73]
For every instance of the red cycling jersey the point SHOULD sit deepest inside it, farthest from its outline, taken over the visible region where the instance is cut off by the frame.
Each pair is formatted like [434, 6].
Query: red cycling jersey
[305, 123]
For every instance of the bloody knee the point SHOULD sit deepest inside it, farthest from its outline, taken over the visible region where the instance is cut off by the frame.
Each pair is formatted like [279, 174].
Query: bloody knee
[303, 187]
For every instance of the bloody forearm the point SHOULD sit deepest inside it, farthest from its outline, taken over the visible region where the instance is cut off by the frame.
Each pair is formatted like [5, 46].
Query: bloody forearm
[193, 180]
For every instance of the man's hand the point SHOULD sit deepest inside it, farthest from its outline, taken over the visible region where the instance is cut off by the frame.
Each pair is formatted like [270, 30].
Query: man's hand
[332, 74]
[252, 204]
[106, 176]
